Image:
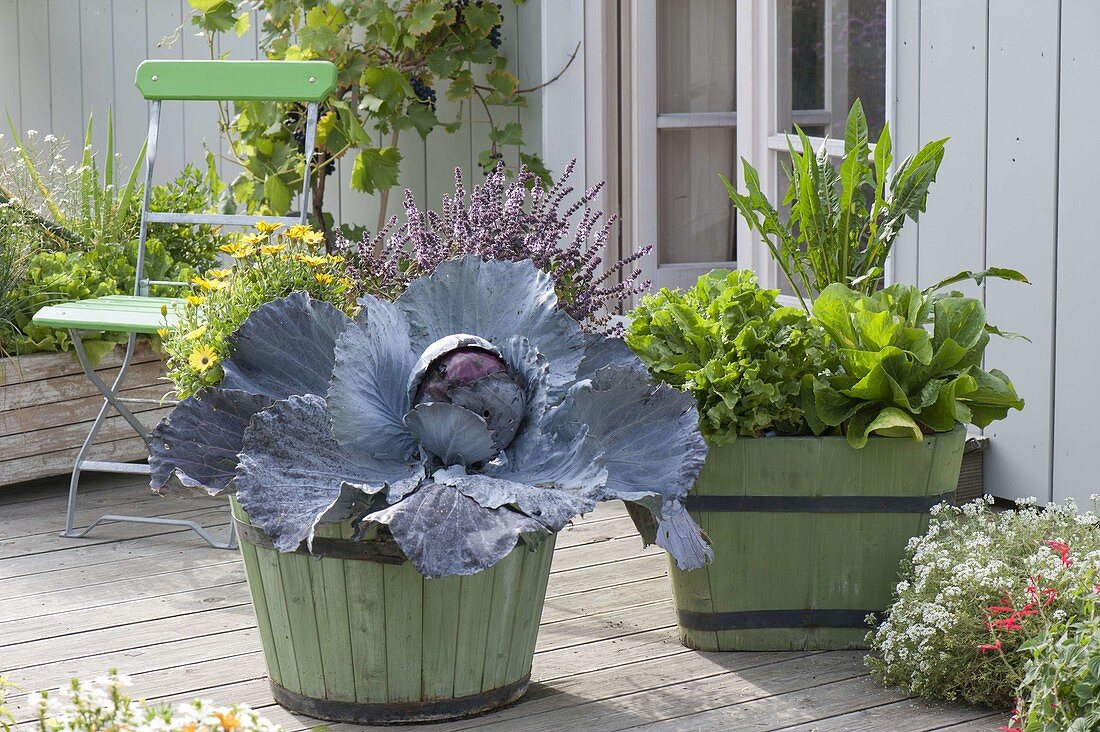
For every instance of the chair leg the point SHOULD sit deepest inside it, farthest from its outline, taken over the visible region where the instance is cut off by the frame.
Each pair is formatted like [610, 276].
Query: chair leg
[111, 400]
[74, 481]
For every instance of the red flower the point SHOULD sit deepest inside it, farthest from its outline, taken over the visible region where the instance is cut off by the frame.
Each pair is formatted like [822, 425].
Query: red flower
[984, 647]
[1013, 721]
[1063, 551]
[1010, 623]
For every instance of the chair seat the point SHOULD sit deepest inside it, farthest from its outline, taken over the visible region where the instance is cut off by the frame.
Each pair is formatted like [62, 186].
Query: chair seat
[114, 313]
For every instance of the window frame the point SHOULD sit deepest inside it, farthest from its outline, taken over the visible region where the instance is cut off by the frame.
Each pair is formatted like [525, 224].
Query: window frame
[758, 123]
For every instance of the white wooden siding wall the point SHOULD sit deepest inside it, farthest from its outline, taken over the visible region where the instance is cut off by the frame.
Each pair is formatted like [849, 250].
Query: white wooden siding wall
[61, 60]
[1012, 82]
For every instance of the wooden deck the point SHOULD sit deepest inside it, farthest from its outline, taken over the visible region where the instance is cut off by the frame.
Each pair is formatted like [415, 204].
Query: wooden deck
[174, 614]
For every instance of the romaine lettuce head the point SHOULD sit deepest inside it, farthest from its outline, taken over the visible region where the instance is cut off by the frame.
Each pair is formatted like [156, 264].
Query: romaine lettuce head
[898, 377]
[468, 416]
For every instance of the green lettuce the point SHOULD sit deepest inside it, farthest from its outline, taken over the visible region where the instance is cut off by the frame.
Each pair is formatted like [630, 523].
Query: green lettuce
[897, 377]
[741, 354]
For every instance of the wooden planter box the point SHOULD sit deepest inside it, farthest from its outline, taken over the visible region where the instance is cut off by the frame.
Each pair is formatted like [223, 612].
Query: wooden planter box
[360, 636]
[808, 535]
[47, 406]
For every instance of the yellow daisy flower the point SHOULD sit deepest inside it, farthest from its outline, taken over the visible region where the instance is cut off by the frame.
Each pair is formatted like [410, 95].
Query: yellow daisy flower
[323, 277]
[218, 274]
[297, 231]
[210, 285]
[313, 237]
[230, 249]
[195, 300]
[202, 358]
[196, 333]
[272, 248]
[267, 227]
[335, 259]
[252, 238]
[311, 260]
[162, 332]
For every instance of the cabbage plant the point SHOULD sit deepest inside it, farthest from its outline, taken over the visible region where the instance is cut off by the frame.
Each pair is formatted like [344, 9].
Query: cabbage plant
[468, 416]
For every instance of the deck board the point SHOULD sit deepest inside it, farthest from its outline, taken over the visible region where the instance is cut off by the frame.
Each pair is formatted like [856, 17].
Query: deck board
[160, 605]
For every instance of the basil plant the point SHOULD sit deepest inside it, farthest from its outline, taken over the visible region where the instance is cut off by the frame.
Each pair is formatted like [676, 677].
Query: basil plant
[470, 415]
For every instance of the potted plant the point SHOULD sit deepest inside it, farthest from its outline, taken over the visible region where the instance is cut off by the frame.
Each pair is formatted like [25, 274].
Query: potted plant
[398, 479]
[854, 412]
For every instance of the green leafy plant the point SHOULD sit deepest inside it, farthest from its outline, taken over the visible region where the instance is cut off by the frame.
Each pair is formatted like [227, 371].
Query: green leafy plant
[68, 232]
[1060, 688]
[267, 265]
[83, 274]
[843, 221]
[741, 354]
[390, 55]
[192, 191]
[974, 589]
[896, 376]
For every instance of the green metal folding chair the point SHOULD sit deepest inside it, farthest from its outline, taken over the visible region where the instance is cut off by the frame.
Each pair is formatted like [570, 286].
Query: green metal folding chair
[284, 81]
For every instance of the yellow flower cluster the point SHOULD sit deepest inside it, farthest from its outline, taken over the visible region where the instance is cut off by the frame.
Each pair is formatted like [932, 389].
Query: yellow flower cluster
[268, 263]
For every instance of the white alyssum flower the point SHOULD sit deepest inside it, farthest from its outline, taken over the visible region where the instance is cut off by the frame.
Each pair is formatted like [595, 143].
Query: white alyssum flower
[971, 558]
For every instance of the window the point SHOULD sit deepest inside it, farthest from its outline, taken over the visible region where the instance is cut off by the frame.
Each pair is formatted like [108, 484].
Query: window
[828, 54]
[696, 129]
[713, 81]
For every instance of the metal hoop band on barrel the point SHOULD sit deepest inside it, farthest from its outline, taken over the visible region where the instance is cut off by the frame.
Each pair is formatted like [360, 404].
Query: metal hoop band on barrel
[379, 552]
[400, 712]
[757, 619]
[816, 504]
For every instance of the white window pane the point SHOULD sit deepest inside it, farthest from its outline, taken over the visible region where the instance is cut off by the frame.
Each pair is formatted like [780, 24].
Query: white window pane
[867, 59]
[836, 54]
[808, 54]
[695, 48]
[694, 217]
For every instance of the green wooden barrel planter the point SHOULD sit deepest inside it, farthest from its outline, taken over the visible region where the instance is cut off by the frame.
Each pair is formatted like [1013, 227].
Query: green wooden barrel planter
[807, 536]
[355, 634]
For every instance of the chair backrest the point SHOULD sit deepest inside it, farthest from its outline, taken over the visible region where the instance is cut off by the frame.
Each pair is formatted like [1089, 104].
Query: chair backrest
[271, 81]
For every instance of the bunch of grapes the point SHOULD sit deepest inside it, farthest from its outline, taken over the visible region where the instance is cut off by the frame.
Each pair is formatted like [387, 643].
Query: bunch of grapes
[295, 120]
[423, 92]
[495, 38]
